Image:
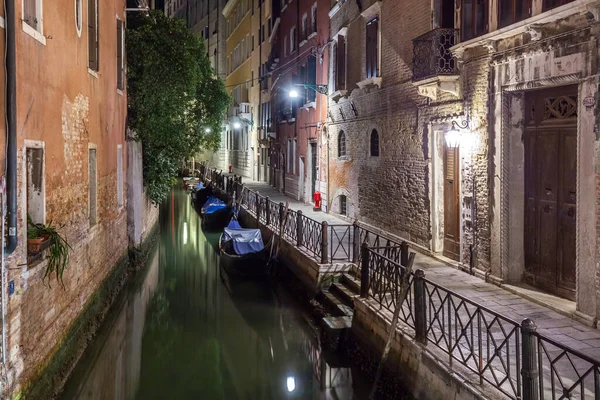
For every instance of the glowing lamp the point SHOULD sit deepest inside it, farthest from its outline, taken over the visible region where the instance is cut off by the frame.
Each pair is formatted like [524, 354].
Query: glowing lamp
[237, 125]
[291, 384]
[293, 93]
[452, 138]
[207, 130]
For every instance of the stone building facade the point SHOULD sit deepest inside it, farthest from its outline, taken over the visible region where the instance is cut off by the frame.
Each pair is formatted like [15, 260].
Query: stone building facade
[470, 130]
[299, 110]
[72, 149]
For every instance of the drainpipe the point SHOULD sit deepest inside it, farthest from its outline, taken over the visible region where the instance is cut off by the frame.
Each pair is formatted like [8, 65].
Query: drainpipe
[11, 127]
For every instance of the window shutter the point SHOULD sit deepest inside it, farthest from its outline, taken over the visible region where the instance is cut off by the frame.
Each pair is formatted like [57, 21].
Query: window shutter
[312, 77]
[93, 35]
[341, 63]
[375, 47]
[369, 52]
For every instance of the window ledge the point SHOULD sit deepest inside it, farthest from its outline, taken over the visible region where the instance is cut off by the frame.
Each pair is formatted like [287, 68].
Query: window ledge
[284, 8]
[93, 73]
[302, 43]
[2, 23]
[375, 81]
[119, 92]
[344, 158]
[572, 8]
[33, 33]
[291, 120]
[338, 94]
[335, 8]
[310, 104]
[312, 35]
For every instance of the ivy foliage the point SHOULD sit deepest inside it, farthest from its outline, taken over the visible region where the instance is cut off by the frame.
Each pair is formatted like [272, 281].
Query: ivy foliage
[173, 97]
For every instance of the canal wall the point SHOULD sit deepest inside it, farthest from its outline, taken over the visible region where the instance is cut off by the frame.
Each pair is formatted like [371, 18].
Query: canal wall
[52, 374]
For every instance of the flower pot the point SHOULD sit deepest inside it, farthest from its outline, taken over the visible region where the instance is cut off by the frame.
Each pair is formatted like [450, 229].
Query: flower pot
[37, 244]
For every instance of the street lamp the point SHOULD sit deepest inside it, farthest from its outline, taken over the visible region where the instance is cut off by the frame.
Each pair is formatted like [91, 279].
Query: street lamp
[237, 125]
[207, 130]
[293, 93]
[454, 135]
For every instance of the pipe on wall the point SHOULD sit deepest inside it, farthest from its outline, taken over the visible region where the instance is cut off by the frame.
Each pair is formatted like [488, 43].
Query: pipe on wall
[11, 127]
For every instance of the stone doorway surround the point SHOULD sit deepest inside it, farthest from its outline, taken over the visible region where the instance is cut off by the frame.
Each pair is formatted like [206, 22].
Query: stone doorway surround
[512, 77]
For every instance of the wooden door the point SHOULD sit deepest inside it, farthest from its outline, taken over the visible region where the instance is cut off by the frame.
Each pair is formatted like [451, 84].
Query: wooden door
[451, 203]
[550, 192]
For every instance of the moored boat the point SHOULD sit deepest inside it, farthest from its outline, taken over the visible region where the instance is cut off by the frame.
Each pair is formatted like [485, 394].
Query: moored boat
[243, 251]
[215, 213]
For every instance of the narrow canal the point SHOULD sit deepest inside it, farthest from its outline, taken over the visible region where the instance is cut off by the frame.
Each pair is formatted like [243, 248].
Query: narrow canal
[183, 330]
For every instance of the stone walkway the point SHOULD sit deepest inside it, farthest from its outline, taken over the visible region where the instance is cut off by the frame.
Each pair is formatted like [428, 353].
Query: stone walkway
[550, 323]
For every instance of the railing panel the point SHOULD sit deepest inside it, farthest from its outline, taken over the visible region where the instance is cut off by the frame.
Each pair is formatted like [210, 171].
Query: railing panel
[565, 373]
[432, 55]
[312, 236]
[481, 340]
[340, 242]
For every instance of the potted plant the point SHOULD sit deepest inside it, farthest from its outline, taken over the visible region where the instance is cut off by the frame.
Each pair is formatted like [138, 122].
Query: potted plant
[41, 237]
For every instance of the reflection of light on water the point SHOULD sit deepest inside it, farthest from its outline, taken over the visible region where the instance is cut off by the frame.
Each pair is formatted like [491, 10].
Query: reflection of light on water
[185, 233]
[271, 345]
[291, 384]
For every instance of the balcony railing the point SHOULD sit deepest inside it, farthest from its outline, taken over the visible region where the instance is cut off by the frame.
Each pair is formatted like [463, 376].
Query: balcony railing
[432, 56]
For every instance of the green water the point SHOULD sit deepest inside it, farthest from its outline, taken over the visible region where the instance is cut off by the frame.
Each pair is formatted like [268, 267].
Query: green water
[185, 330]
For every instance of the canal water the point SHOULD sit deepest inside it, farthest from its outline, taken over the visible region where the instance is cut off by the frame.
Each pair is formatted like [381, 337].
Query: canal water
[182, 329]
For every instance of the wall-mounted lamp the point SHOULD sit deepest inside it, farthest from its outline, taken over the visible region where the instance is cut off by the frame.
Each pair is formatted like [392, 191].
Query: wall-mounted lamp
[237, 125]
[293, 93]
[453, 136]
[207, 130]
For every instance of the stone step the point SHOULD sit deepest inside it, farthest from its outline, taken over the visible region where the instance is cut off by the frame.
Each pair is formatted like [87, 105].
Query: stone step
[338, 323]
[343, 293]
[351, 282]
[334, 305]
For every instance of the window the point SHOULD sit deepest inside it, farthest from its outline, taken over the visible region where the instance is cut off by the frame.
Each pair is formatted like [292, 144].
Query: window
[93, 47]
[93, 187]
[206, 33]
[373, 48]
[374, 143]
[252, 42]
[343, 205]
[78, 16]
[289, 154]
[252, 78]
[340, 59]
[120, 55]
[550, 4]
[292, 40]
[313, 11]
[511, 11]
[120, 175]
[474, 18]
[270, 26]
[262, 33]
[311, 78]
[304, 26]
[285, 46]
[36, 182]
[342, 144]
[32, 14]
[294, 147]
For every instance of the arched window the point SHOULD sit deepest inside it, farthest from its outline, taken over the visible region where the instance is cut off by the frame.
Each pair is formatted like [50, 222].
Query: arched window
[341, 144]
[343, 205]
[374, 143]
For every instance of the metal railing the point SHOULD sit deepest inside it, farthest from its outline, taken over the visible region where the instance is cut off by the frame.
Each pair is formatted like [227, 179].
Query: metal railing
[432, 56]
[511, 357]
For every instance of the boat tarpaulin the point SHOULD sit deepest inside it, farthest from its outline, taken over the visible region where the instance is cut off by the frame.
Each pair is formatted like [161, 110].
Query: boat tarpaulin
[245, 241]
[212, 205]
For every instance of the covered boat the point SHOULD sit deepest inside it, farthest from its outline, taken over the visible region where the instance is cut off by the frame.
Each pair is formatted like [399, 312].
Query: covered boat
[243, 251]
[201, 193]
[215, 213]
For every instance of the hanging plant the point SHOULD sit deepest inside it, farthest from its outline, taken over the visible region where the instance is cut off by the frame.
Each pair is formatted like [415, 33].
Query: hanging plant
[57, 251]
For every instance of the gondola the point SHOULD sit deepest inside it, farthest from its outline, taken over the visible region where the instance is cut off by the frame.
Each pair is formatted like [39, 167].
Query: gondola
[243, 252]
[215, 214]
[200, 194]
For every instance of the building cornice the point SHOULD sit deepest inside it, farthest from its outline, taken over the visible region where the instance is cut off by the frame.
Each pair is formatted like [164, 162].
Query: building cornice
[229, 7]
[529, 24]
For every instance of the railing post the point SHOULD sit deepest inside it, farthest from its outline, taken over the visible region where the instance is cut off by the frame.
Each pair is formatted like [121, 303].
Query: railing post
[529, 361]
[324, 244]
[268, 210]
[420, 306]
[299, 228]
[257, 209]
[281, 213]
[364, 270]
[403, 254]
[355, 241]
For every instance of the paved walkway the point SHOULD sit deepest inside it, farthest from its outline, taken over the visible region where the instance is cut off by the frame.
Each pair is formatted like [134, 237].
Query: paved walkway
[550, 323]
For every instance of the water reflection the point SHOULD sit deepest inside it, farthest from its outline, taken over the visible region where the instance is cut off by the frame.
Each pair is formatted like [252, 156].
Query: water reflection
[184, 330]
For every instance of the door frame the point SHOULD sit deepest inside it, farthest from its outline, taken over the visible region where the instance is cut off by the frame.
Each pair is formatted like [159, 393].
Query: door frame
[436, 189]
